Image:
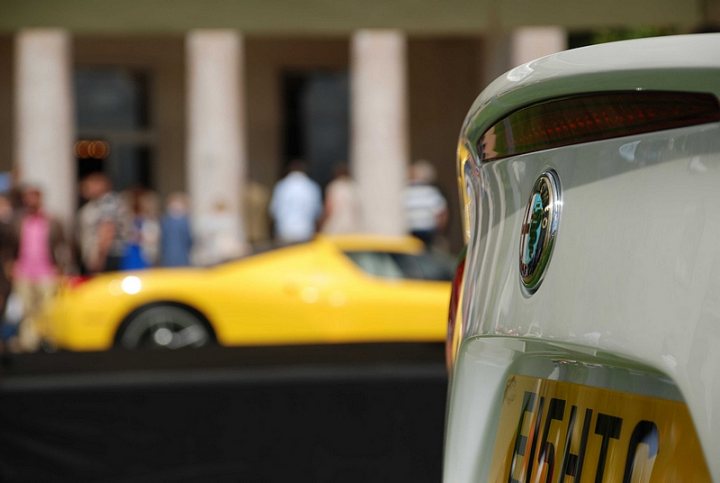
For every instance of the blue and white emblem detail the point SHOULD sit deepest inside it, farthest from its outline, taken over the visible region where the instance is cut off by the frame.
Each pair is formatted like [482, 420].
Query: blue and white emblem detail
[539, 229]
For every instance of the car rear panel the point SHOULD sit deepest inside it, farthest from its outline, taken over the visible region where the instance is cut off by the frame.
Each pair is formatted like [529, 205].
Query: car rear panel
[626, 321]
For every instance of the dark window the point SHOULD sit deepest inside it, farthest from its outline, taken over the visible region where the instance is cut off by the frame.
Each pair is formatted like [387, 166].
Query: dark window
[111, 98]
[422, 266]
[112, 110]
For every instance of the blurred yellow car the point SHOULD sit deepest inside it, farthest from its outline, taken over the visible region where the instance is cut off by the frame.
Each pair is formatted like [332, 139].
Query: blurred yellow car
[329, 290]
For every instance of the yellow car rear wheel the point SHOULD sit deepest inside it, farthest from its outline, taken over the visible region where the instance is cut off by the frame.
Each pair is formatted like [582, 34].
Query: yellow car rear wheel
[164, 326]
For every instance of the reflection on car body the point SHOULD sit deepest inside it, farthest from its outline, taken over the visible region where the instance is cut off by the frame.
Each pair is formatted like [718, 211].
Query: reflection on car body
[332, 289]
[585, 314]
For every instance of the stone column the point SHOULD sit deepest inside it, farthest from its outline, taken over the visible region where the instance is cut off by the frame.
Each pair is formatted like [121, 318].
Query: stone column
[379, 127]
[530, 43]
[216, 151]
[44, 117]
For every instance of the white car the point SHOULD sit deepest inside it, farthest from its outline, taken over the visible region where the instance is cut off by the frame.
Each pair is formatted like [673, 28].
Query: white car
[584, 334]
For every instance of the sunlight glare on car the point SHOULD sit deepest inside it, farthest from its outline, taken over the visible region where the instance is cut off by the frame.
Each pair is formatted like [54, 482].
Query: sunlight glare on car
[131, 285]
[310, 295]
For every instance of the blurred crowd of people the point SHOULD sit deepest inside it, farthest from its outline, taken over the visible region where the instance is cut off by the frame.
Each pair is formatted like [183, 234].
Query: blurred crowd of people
[127, 231]
[298, 209]
[112, 231]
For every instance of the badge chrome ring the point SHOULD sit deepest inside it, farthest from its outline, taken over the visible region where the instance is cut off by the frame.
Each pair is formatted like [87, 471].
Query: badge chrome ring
[539, 229]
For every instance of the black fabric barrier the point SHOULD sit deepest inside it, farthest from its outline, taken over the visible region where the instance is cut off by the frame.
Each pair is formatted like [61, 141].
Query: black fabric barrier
[351, 413]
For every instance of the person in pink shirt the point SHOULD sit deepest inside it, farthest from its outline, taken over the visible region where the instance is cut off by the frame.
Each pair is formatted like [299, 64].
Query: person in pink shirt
[40, 249]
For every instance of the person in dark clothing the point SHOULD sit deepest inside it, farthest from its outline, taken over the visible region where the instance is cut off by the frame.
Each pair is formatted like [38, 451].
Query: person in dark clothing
[175, 234]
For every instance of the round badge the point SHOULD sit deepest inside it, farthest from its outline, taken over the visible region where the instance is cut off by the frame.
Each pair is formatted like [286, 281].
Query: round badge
[539, 229]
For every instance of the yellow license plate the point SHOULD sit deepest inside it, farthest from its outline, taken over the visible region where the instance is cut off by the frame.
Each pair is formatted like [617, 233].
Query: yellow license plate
[563, 432]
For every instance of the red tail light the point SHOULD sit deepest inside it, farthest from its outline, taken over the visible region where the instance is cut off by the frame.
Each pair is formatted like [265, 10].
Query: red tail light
[74, 281]
[454, 329]
[594, 117]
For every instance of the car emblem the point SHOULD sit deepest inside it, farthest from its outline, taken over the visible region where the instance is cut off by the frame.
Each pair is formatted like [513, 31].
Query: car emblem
[539, 228]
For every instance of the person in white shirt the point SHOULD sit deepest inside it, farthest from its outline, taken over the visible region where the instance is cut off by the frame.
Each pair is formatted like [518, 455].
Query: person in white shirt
[296, 205]
[425, 206]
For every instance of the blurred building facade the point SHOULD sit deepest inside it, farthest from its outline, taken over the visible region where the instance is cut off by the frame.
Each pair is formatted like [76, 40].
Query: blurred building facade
[203, 96]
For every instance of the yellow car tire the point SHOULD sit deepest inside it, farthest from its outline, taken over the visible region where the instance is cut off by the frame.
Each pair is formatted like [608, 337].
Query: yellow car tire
[164, 326]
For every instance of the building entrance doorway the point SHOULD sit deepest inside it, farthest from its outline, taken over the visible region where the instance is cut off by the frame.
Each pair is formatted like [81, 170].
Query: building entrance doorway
[316, 111]
[113, 125]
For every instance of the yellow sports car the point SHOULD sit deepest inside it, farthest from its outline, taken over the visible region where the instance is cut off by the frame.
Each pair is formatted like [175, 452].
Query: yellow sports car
[332, 289]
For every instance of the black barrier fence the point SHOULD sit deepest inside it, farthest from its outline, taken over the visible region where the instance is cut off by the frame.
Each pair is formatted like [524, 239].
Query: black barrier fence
[350, 413]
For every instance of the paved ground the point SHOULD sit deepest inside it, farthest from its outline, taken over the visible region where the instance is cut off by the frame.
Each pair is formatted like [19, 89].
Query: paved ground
[353, 413]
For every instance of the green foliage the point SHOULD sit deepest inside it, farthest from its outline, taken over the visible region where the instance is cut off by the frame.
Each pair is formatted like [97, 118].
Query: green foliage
[615, 34]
